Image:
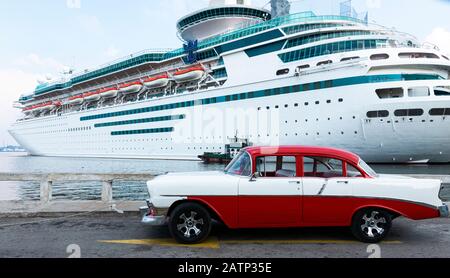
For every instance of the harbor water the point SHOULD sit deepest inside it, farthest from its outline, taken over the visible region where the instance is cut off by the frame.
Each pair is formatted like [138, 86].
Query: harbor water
[22, 163]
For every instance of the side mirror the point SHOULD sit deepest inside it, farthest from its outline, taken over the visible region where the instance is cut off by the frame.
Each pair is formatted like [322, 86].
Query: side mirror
[255, 176]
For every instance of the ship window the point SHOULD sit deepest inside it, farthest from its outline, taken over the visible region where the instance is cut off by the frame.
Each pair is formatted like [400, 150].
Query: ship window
[419, 92]
[415, 55]
[381, 56]
[442, 91]
[349, 58]
[302, 67]
[408, 112]
[378, 114]
[440, 112]
[445, 57]
[283, 72]
[324, 63]
[390, 93]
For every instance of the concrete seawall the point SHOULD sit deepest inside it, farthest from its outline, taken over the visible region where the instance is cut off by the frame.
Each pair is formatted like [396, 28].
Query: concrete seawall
[47, 205]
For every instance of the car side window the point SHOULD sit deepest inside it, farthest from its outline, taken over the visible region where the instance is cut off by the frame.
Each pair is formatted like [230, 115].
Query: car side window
[322, 167]
[353, 172]
[276, 166]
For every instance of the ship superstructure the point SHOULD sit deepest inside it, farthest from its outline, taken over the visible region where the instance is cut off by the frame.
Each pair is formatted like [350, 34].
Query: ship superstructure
[296, 79]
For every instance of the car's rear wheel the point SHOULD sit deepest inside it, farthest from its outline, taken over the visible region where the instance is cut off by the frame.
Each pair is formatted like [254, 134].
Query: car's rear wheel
[190, 223]
[371, 225]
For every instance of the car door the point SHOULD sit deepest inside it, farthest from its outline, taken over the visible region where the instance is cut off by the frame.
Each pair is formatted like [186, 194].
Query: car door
[273, 198]
[327, 192]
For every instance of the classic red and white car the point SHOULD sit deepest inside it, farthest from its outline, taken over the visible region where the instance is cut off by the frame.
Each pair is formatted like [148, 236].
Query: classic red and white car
[290, 186]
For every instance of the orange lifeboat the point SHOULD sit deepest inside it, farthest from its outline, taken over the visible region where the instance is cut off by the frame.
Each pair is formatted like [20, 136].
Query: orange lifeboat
[189, 74]
[75, 100]
[48, 106]
[130, 87]
[108, 92]
[91, 96]
[43, 107]
[156, 81]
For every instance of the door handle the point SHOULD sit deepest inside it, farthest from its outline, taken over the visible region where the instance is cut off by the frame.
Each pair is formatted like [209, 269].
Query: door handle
[296, 182]
[346, 182]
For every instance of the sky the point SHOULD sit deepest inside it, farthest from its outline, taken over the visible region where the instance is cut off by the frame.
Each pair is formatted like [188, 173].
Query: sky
[38, 39]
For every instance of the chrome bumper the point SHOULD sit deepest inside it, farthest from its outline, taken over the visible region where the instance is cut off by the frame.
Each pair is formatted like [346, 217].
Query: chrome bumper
[443, 211]
[154, 220]
[149, 217]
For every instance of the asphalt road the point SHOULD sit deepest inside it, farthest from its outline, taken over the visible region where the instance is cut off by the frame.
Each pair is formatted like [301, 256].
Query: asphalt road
[122, 236]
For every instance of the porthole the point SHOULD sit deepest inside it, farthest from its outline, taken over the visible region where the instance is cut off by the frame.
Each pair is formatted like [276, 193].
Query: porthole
[282, 71]
[381, 56]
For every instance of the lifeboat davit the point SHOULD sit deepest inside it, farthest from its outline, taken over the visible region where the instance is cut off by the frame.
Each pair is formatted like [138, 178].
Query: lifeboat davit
[91, 96]
[27, 110]
[108, 92]
[35, 108]
[156, 81]
[131, 87]
[75, 100]
[189, 74]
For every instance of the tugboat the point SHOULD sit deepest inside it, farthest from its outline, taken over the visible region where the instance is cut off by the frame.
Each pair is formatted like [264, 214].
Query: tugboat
[231, 150]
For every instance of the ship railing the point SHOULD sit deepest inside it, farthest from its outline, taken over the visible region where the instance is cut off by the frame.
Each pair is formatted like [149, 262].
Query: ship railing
[123, 80]
[125, 58]
[46, 202]
[116, 61]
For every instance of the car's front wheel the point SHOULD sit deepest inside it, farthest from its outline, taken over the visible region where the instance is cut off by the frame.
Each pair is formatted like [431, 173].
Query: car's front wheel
[371, 225]
[190, 223]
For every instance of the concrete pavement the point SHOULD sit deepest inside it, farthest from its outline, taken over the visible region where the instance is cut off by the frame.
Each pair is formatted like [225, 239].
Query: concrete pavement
[118, 236]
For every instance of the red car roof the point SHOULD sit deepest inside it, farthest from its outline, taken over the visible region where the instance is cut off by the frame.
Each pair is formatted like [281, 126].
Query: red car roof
[304, 150]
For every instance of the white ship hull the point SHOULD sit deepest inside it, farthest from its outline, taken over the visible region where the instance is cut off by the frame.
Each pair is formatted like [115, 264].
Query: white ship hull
[343, 124]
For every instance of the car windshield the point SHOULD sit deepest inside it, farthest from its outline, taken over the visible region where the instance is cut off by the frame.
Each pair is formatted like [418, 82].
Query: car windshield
[240, 165]
[371, 172]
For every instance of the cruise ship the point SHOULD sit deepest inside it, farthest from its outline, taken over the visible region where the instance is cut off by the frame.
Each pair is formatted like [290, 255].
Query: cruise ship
[301, 78]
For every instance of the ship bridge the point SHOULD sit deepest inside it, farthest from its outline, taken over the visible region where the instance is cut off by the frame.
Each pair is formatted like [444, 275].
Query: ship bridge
[221, 16]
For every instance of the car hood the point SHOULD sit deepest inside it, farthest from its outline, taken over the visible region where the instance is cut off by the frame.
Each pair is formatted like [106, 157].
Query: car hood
[209, 183]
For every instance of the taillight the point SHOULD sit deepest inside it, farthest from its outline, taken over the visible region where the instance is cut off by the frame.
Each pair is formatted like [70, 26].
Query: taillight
[151, 211]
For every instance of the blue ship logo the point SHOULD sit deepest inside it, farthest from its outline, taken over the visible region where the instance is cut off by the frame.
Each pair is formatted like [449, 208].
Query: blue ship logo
[191, 48]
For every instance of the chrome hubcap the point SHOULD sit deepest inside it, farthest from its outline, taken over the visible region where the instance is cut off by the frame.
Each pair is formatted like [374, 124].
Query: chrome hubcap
[373, 224]
[190, 226]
